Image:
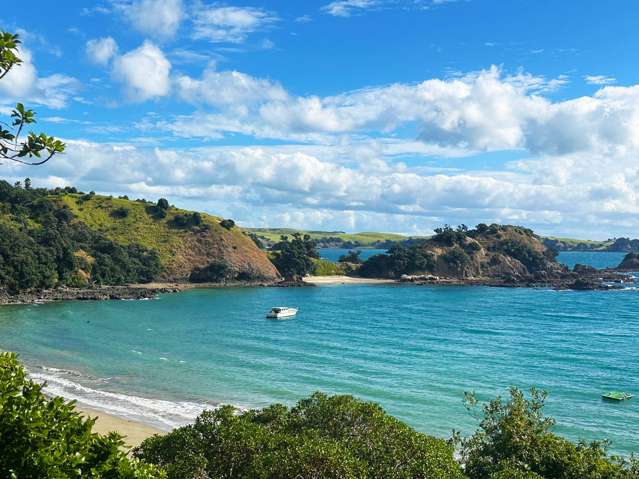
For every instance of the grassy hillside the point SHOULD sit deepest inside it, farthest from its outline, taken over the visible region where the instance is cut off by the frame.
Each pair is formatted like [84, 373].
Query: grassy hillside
[364, 239]
[181, 248]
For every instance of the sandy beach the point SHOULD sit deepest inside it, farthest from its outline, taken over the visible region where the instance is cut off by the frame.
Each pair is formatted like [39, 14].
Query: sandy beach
[325, 280]
[134, 432]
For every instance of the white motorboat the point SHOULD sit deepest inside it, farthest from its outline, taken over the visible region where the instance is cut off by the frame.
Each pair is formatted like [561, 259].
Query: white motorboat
[281, 312]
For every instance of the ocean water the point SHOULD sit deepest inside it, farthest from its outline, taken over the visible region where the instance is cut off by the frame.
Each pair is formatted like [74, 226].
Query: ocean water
[603, 259]
[333, 254]
[597, 259]
[413, 349]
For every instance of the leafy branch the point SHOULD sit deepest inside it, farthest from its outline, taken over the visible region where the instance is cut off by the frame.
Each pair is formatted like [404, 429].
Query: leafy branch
[34, 149]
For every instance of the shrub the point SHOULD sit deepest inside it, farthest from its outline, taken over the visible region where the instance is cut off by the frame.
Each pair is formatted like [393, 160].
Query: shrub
[228, 224]
[43, 437]
[186, 221]
[215, 272]
[321, 437]
[121, 212]
[514, 441]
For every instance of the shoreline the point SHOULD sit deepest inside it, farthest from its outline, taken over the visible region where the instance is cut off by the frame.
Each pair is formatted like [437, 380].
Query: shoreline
[340, 279]
[595, 280]
[134, 432]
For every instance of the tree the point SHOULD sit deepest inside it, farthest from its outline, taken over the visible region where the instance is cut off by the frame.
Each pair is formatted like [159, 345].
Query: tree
[34, 149]
[352, 257]
[514, 440]
[47, 438]
[294, 258]
[227, 224]
[321, 437]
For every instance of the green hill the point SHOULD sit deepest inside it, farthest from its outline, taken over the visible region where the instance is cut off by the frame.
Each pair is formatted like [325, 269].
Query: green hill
[60, 237]
[348, 240]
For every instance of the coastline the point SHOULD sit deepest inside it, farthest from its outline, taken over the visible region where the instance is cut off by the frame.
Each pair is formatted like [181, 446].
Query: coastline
[134, 432]
[332, 280]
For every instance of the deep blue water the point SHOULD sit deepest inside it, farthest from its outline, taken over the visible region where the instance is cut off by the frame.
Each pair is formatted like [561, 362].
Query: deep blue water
[414, 349]
[333, 254]
[598, 259]
[570, 258]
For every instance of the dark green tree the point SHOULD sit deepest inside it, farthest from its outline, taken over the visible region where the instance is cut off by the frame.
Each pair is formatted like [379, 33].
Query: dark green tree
[321, 437]
[514, 440]
[294, 258]
[353, 256]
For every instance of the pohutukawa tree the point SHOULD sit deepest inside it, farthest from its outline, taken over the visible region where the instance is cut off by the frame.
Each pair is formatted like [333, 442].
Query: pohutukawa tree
[32, 149]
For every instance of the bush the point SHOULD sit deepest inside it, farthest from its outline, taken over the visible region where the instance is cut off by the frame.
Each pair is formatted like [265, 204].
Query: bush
[514, 441]
[121, 212]
[186, 221]
[324, 267]
[42, 437]
[321, 437]
[228, 224]
[215, 272]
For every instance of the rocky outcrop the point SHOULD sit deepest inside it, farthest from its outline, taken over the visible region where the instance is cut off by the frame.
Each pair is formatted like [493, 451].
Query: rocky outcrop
[82, 294]
[629, 263]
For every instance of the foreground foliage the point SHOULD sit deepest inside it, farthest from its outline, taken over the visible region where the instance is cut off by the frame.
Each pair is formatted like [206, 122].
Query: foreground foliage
[47, 438]
[321, 437]
[514, 441]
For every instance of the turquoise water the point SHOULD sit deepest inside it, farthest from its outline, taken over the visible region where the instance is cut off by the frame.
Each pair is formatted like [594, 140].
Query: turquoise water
[414, 349]
[333, 254]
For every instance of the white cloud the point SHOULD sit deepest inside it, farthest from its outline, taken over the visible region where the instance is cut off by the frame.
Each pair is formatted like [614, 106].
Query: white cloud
[23, 84]
[144, 72]
[157, 18]
[229, 24]
[599, 80]
[101, 50]
[345, 8]
[480, 111]
[313, 187]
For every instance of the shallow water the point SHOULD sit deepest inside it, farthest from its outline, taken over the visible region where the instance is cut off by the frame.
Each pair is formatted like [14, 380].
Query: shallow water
[414, 349]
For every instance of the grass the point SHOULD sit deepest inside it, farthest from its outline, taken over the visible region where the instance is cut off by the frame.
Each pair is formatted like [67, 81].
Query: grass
[328, 268]
[139, 226]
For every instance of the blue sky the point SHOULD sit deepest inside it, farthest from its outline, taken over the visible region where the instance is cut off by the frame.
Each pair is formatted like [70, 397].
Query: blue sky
[394, 115]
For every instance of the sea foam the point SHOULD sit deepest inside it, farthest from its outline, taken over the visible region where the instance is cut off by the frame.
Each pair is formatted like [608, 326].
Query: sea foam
[160, 413]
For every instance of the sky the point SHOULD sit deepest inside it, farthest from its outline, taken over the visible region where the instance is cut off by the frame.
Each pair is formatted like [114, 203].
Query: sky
[350, 115]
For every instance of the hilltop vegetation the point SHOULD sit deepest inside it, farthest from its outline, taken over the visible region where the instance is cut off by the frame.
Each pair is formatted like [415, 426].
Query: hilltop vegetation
[331, 239]
[42, 245]
[496, 251]
[62, 237]
[185, 241]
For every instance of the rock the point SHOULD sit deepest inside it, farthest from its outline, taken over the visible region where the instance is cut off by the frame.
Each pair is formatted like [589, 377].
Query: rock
[629, 263]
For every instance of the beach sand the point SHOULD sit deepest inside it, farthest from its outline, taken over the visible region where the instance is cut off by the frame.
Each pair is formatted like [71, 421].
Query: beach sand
[321, 280]
[134, 432]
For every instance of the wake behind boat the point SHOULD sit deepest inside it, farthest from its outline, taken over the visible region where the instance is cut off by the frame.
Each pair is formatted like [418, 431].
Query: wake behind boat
[281, 312]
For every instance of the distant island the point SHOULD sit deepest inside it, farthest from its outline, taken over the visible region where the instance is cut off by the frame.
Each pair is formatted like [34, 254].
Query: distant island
[378, 240]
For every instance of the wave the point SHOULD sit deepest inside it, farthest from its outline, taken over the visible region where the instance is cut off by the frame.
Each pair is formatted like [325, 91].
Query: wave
[160, 413]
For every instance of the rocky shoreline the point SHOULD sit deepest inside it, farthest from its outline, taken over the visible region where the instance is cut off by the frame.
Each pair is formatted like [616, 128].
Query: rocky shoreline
[83, 294]
[589, 279]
